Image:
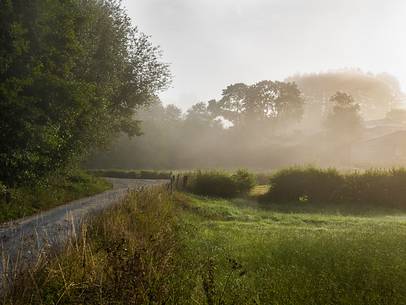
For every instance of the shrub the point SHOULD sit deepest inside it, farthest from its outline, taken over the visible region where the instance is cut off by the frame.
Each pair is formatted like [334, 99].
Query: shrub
[313, 183]
[221, 184]
[373, 187]
[244, 180]
[377, 187]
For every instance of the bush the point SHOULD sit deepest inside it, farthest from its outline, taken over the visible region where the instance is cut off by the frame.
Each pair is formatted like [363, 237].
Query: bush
[377, 187]
[244, 180]
[221, 184]
[373, 187]
[314, 184]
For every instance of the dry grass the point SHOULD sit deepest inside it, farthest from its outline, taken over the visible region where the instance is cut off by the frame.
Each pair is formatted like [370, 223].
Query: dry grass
[123, 256]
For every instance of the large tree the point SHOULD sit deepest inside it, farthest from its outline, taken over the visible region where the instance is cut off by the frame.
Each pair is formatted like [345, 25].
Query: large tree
[262, 102]
[72, 74]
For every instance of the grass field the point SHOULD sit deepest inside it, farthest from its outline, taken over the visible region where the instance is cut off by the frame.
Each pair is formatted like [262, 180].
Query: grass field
[186, 249]
[246, 255]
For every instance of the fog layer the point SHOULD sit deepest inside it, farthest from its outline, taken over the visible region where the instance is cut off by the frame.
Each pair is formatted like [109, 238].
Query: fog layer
[347, 119]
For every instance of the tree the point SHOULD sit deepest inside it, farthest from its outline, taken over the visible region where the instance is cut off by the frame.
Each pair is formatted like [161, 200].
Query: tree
[72, 74]
[344, 119]
[375, 93]
[260, 103]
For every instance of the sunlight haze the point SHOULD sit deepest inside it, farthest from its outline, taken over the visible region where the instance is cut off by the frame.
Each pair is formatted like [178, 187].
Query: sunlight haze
[211, 44]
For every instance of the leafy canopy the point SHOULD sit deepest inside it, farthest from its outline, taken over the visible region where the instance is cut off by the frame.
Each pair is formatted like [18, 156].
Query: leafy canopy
[72, 74]
[265, 101]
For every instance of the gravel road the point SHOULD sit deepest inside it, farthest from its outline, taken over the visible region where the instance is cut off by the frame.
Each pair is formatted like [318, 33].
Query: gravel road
[22, 241]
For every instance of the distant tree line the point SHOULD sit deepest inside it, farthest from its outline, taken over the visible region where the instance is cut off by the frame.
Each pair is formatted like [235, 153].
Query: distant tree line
[260, 126]
[72, 75]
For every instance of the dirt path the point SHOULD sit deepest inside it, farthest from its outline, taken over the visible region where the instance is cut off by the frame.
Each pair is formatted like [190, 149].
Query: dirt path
[22, 241]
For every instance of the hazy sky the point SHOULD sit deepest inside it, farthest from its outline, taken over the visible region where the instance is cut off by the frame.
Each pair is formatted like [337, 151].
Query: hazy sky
[213, 43]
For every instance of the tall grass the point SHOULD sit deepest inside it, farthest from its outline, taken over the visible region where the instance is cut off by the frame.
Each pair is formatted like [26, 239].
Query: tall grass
[243, 255]
[369, 188]
[123, 256]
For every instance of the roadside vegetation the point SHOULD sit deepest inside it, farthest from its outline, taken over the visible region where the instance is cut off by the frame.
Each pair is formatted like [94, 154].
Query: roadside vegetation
[58, 189]
[220, 184]
[73, 73]
[123, 256]
[131, 174]
[374, 188]
[162, 248]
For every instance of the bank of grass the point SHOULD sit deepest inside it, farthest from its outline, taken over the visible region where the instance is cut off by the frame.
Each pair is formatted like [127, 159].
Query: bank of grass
[123, 256]
[27, 200]
[158, 248]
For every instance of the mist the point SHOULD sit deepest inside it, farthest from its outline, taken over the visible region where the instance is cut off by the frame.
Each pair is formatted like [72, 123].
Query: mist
[211, 44]
[269, 84]
[348, 119]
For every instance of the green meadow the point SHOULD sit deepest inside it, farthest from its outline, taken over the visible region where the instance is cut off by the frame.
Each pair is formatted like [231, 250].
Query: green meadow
[239, 253]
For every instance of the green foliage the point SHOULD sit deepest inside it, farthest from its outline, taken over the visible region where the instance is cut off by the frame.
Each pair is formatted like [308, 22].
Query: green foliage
[244, 180]
[317, 184]
[72, 74]
[27, 200]
[221, 184]
[370, 188]
[264, 101]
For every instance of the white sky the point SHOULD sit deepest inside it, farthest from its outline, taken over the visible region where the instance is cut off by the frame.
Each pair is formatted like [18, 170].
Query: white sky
[213, 43]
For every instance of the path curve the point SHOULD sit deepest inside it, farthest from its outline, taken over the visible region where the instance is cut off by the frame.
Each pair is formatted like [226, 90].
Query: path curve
[22, 241]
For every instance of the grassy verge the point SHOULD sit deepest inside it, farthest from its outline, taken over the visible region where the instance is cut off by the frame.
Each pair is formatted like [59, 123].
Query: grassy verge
[123, 256]
[157, 248]
[26, 201]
